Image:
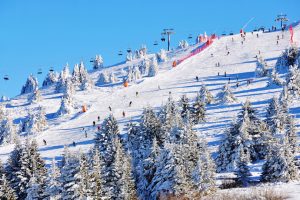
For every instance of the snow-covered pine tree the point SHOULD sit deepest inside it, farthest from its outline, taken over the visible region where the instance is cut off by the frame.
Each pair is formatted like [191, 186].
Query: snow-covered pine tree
[98, 62]
[226, 95]
[68, 178]
[153, 68]
[129, 57]
[170, 178]
[144, 67]
[279, 165]
[83, 177]
[237, 139]
[112, 78]
[183, 44]
[85, 82]
[54, 187]
[35, 96]
[103, 78]
[204, 173]
[36, 121]
[275, 116]
[275, 79]
[243, 171]
[205, 95]
[8, 132]
[6, 192]
[261, 67]
[96, 181]
[30, 85]
[76, 75]
[293, 81]
[291, 134]
[184, 105]
[14, 166]
[50, 79]
[67, 101]
[198, 110]
[162, 56]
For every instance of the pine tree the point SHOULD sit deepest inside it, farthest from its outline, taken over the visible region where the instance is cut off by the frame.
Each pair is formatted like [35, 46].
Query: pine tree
[67, 101]
[103, 79]
[36, 121]
[293, 81]
[291, 134]
[8, 133]
[96, 181]
[198, 110]
[183, 44]
[184, 104]
[112, 78]
[153, 68]
[276, 116]
[162, 56]
[243, 171]
[30, 85]
[83, 178]
[6, 192]
[205, 95]
[54, 187]
[226, 95]
[85, 82]
[35, 97]
[144, 67]
[261, 67]
[69, 180]
[279, 165]
[98, 62]
[76, 75]
[51, 78]
[275, 79]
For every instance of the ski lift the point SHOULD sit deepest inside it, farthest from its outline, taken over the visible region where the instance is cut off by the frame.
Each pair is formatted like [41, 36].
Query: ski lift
[40, 71]
[51, 69]
[163, 39]
[224, 33]
[155, 43]
[92, 60]
[6, 77]
[120, 53]
[190, 36]
[231, 33]
[128, 50]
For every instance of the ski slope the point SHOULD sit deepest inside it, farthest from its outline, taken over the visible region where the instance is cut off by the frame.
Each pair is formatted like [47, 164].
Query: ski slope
[241, 63]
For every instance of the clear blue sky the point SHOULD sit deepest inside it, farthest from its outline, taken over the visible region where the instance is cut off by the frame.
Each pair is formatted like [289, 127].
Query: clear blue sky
[48, 33]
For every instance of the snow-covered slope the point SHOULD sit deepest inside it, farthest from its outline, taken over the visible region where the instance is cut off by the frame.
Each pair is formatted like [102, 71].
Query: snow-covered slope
[153, 91]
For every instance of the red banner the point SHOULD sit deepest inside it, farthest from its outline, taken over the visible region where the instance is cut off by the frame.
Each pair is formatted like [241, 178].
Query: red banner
[292, 33]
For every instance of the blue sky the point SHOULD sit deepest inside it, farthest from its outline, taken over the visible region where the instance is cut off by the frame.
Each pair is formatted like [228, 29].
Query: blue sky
[49, 33]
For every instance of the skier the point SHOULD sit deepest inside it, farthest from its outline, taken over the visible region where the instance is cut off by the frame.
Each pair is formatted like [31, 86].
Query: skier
[197, 78]
[277, 42]
[257, 35]
[218, 73]
[277, 37]
[158, 87]
[85, 134]
[225, 74]
[228, 53]
[242, 42]
[99, 128]
[237, 84]
[109, 108]
[130, 103]
[45, 143]
[212, 55]
[229, 80]
[74, 144]
[98, 118]
[94, 123]
[123, 113]
[259, 52]
[218, 64]
[136, 93]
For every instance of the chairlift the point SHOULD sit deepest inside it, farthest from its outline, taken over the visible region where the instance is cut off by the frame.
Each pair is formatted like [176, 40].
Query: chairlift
[231, 33]
[120, 53]
[128, 50]
[155, 43]
[224, 33]
[6, 77]
[40, 71]
[163, 39]
[51, 69]
[92, 60]
[190, 36]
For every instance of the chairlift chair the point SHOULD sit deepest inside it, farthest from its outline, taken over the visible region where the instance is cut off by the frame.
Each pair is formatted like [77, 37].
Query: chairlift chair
[6, 77]
[155, 43]
[40, 71]
[128, 50]
[51, 69]
[190, 36]
[120, 53]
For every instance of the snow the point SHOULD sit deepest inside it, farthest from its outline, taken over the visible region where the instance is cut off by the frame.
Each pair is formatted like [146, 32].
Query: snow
[153, 91]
